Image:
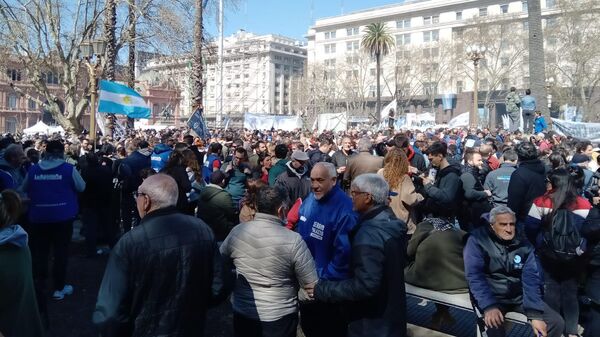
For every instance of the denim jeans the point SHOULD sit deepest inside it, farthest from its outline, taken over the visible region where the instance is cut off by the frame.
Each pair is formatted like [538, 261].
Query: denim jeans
[561, 295]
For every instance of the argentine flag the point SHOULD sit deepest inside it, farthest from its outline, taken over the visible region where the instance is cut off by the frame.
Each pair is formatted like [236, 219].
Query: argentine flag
[119, 99]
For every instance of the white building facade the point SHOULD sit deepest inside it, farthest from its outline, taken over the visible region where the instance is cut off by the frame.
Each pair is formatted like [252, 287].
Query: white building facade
[257, 76]
[429, 58]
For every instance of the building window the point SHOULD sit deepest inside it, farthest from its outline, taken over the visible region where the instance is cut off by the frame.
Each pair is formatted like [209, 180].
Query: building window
[550, 3]
[484, 85]
[505, 83]
[431, 36]
[372, 90]
[431, 20]
[483, 11]
[352, 31]
[13, 75]
[352, 45]
[10, 125]
[504, 8]
[459, 87]
[407, 69]
[12, 101]
[402, 24]
[459, 15]
[403, 39]
[402, 54]
[330, 48]
[430, 88]
[352, 59]
[524, 7]
[373, 71]
[329, 63]
[31, 105]
[330, 35]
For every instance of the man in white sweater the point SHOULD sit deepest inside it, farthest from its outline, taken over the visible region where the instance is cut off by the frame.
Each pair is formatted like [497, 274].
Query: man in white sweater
[271, 263]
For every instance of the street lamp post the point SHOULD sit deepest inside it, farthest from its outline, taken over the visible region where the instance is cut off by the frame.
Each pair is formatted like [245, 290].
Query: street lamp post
[475, 53]
[92, 52]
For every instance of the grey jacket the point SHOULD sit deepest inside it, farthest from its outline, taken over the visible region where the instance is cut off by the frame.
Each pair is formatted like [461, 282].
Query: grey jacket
[271, 261]
[497, 182]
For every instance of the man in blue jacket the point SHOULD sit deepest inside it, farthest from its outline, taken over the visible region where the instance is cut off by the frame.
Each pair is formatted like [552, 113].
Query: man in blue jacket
[325, 220]
[503, 276]
[160, 156]
[528, 105]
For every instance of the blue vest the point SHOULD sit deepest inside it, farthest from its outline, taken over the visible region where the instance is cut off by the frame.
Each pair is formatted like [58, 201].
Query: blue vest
[207, 168]
[52, 193]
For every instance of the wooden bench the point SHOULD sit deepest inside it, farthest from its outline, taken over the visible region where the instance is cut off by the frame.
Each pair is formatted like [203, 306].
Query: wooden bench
[459, 301]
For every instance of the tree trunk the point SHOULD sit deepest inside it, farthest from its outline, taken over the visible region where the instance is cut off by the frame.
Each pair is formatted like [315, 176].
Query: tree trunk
[378, 105]
[537, 70]
[131, 56]
[110, 23]
[197, 85]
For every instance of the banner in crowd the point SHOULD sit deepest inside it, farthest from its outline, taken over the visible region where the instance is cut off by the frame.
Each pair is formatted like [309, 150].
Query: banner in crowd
[115, 98]
[589, 131]
[332, 122]
[198, 125]
[267, 122]
[459, 121]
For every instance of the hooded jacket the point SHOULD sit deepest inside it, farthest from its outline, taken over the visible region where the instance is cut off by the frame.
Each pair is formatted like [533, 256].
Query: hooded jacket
[131, 168]
[216, 208]
[160, 156]
[295, 182]
[416, 160]
[19, 316]
[375, 296]
[444, 195]
[52, 187]
[276, 170]
[527, 182]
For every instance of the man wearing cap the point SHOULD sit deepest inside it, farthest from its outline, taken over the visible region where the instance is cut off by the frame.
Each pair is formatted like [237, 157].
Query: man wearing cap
[295, 180]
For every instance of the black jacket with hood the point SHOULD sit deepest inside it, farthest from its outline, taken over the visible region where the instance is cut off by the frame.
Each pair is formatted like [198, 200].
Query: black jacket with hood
[444, 196]
[527, 182]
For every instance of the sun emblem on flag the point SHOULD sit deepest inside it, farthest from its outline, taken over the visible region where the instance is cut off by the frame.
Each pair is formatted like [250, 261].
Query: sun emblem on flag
[127, 100]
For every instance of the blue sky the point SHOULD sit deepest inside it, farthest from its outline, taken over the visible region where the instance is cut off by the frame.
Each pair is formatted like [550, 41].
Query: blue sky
[286, 17]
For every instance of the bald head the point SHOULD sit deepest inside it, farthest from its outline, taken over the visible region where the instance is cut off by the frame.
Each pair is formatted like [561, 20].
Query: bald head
[161, 189]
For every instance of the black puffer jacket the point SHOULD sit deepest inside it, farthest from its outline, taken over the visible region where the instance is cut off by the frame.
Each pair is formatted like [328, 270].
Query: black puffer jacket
[591, 231]
[296, 183]
[161, 277]
[526, 183]
[375, 294]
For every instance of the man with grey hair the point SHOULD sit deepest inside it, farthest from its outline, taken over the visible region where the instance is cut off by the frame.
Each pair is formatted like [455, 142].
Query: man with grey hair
[325, 220]
[503, 276]
[374, 296]
[162, 275]
[12, 163]
[363, 162]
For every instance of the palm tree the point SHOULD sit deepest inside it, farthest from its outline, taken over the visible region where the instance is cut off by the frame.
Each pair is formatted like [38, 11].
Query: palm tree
[110, 24]
[197, 58]
[378, 42]
[131, 55]
[537, 64]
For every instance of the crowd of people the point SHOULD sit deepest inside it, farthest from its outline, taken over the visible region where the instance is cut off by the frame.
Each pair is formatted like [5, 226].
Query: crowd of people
[317, 230]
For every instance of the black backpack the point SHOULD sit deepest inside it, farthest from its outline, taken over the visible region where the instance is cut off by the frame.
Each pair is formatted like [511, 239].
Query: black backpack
[562, 242]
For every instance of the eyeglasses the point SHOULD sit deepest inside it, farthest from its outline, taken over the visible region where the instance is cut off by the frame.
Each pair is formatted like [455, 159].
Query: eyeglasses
[354, 193]
[136, 194]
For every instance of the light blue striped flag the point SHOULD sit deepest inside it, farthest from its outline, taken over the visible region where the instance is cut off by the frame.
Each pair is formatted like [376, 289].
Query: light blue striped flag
[119, 99]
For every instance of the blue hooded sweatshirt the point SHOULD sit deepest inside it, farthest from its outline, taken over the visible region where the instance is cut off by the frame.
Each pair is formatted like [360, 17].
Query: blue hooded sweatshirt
[160, 156]
[14, 235]
[324, 225]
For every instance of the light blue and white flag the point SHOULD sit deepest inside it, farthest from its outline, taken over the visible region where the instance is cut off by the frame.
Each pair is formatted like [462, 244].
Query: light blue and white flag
[122, 100]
